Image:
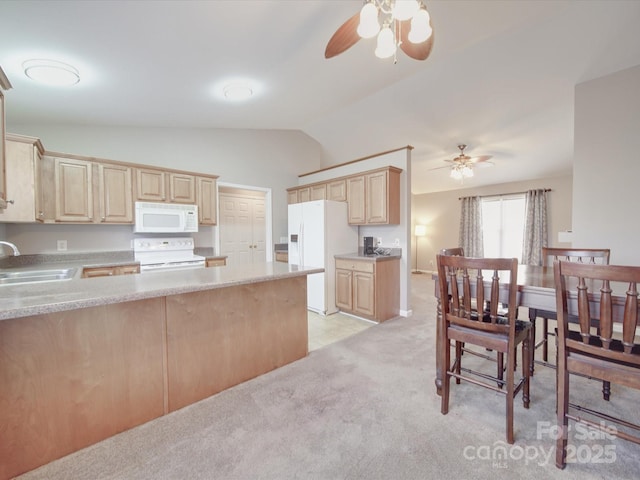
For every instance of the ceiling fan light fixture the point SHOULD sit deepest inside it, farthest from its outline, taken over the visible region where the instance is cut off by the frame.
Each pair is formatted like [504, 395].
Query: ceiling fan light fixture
[405, 9]
[420, 28]
[51, 72]
[369, 25]
[386, 45]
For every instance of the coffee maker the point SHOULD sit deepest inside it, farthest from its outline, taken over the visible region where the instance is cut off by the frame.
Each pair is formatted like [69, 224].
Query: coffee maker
[368, 246]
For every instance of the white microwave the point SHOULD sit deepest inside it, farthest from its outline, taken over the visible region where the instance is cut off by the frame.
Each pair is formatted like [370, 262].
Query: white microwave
[165, 218]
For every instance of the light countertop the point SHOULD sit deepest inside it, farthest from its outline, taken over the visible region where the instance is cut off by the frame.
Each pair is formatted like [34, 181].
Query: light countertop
[55, 296]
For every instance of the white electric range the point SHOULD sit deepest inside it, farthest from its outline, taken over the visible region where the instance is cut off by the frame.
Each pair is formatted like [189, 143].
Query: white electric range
[166, 253]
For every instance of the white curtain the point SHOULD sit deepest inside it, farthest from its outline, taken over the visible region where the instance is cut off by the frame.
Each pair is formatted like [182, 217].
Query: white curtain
[535, 227]
[471, 227]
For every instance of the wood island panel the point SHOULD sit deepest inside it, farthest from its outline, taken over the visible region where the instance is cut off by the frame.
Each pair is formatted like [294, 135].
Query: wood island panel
[70, 379]
[220, 338]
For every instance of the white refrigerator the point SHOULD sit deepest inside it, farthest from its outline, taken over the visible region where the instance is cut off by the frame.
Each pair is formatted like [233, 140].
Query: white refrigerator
[318, 230]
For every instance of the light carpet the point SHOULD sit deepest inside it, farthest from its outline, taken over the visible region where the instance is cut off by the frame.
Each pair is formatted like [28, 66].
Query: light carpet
[362, 408]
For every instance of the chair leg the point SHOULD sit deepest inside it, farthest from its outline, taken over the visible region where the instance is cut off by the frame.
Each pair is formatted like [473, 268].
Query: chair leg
[526, 358]
[500, 366]
[446, 381]
[511, 354]
[562, 406]
[458, 363]
[606, 390]
[532, 319]
[545, 341]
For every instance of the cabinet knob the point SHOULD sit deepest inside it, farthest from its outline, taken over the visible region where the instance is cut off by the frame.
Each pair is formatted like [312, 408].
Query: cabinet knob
[10, 201]
[41, 214]
[103, 219]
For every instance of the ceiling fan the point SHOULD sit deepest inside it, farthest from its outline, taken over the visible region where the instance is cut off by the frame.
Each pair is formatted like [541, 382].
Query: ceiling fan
[462, 165]
[405, 24]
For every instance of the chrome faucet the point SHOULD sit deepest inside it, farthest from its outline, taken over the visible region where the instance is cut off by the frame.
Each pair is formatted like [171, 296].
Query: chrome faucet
[16, 252]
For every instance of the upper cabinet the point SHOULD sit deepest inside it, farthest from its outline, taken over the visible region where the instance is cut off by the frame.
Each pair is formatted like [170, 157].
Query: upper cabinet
[4, 85]
[63, 188]
[153, 184]
[115, 193]
[373, 197]
[23, 154]
[206, 193]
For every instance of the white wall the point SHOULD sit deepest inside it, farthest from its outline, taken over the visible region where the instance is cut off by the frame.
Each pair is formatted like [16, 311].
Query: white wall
[259, 158]
[607, 165]
[440, 212]
[388, 233]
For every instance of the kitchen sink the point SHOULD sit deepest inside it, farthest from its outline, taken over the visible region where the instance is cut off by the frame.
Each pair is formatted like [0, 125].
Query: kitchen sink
[35, 276]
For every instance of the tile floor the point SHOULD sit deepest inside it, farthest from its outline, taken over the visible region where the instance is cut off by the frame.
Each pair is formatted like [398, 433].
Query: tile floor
[324, 330]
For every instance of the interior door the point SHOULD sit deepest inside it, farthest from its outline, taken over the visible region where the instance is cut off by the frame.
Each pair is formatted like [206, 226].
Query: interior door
[242, 228]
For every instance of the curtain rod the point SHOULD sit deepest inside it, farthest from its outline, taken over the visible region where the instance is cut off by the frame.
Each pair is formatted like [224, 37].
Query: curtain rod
[503, 194]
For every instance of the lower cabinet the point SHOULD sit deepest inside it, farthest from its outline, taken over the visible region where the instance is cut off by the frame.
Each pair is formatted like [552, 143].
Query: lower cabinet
[215, 261]
[368, 288]
[109, 270]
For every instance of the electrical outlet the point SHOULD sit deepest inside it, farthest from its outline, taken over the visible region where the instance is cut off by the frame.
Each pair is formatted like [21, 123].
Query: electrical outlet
[396, 242]
[62, 245]
[379, 240]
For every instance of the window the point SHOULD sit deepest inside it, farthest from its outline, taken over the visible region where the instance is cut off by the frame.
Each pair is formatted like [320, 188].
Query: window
[503, 225]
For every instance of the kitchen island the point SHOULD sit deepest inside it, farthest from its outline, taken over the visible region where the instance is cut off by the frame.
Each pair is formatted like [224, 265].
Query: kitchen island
[84, 359]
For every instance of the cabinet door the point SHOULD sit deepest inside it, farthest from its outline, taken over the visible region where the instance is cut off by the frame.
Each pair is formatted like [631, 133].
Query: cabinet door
[116, 193]
[3, 184]
[150, 185]
[376, 204]
[337, 191]
[73, 186]
[364, 293]
[304, 194]
[356, 199]
[207, 204]
[319, 192]
[21, 189]
[292, 197]
[182, 188]
[344, 289]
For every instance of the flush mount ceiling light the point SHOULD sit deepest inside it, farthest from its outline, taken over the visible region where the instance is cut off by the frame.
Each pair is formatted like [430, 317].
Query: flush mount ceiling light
[51, 72]
[237, 92]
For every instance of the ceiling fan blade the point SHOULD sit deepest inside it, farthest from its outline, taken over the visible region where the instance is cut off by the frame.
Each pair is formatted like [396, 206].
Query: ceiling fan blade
[486, 163]
[480, 158]
[345, 37]
[439, 168]
[417, 51]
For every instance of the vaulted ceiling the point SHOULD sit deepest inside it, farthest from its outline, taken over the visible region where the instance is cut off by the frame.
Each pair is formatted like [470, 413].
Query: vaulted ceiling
[500, 78]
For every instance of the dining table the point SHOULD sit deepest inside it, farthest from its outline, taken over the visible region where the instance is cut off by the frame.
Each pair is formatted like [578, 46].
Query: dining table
[537, 293]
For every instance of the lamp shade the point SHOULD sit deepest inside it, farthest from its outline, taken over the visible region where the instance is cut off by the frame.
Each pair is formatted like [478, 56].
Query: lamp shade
[420, 230]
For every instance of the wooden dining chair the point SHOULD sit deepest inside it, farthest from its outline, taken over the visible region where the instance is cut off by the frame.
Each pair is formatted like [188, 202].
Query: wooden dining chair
[591, 347]
[549, 255]
[464, 281]
[459, 251]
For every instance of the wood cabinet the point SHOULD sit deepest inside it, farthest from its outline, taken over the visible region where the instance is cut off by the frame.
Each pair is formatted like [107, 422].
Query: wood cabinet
[207, 196]
[73, 190]
[337, 190]
[373, 196]
[282, 257]
[215, 261]
[356, 200]
[23, 155]
[318, 192]
[110, 270]
[4, 85]
[368, 288]
[73, 187]
[151, 185]
[182, 188]
[115, 193]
